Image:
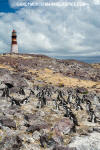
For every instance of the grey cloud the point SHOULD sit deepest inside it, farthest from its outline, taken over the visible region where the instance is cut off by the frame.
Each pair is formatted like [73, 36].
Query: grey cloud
[53, 31]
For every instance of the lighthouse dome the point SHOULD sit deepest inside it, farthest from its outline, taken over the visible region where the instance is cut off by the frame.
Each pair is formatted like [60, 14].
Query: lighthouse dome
[13, 31]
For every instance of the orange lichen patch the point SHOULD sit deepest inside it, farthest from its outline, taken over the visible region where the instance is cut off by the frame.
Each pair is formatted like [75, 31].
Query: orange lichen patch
[97, 66]
[32, 71]
[26, 57]
[57, 79]
[46, 70]
[98, 85]
[6, 67]
[19, 56]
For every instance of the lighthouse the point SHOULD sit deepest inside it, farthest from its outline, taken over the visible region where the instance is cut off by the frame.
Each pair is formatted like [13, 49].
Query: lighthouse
[14, 45]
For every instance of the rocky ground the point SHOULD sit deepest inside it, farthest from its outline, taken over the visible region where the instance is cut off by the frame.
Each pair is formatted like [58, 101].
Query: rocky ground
[48, 104]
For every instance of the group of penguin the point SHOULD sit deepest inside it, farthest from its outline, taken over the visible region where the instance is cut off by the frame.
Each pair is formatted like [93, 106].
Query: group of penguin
[44, 92]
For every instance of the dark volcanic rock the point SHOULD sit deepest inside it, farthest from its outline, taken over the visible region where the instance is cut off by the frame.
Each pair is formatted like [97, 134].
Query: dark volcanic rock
[30, 116]
[97, 129]
[37, 126]
[64, 126]
[11, 143]
[7, 122]
[14, 90]
[81, 90]
[45, 140]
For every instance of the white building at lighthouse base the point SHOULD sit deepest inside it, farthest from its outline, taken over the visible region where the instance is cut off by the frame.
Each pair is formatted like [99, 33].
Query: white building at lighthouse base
[14, 48]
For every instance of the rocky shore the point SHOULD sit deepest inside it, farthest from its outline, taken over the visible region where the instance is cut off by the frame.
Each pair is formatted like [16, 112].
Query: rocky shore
[48, 104]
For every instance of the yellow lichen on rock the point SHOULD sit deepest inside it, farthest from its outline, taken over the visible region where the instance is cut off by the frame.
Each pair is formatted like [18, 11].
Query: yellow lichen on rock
[6, 67]
[58, 79]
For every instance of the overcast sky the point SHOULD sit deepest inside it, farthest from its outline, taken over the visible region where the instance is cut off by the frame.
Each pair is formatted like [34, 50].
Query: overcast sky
[54, 31]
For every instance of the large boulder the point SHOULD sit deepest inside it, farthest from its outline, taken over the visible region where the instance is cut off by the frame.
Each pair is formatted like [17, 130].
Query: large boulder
[47, 141]
[7, 122]
[91, 142]
[15, 80]
[81, 90]
[38, 125]
[30, 116]
[11, 143]
[64, 126]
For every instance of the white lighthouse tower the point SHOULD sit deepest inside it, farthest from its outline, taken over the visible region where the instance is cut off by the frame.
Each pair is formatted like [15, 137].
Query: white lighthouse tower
[14, 45]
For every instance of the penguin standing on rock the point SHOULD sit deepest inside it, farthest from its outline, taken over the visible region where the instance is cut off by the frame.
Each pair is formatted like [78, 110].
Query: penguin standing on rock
[88, 106]
[68, 111]
[42, 100]
[6, 90]
[21, 91]
[92, 117]
[78, 103]
[73, 117]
